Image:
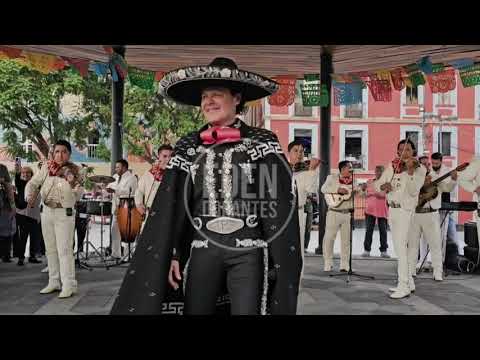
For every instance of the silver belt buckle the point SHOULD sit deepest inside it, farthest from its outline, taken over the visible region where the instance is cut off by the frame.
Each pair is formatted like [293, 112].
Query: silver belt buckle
[225, 225]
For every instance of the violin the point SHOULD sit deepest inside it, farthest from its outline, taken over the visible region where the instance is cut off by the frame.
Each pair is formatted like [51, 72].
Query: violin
[402, 165]
[70, 172]
[301, 166]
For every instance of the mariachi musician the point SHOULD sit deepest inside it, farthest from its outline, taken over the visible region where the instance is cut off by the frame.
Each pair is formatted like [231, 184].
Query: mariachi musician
[208, 233]
[335, 187]
[150, 181]
[123, 191]
[426, 220]
[306, 178]
[58, 183]
[402, 180]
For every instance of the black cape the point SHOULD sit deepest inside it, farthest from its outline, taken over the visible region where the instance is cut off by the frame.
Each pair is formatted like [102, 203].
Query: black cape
[145, 288]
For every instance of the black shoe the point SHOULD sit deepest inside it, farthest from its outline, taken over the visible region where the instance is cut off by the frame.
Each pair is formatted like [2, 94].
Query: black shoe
[34, 260]
[343, 270]
[6, 259]
[20, 262]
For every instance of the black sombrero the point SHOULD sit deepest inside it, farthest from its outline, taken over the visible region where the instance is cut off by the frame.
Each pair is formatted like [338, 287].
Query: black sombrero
[185, 85]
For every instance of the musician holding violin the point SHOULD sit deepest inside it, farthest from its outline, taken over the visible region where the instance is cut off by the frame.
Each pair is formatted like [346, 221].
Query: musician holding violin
[402, 180]
[58, 183]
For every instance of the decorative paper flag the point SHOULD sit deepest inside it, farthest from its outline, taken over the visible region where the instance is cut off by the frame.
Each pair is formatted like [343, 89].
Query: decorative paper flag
[324, 98]
[113, 72]
[425, 65]
[41, 62]
[347, 94]
[100, 69]
[108, 49]
[436, 68]
[415, 75]
[80, 65]
[159, 75]
[383, 75]
[12, 53]
[142, 79]
[442, 82]
[461, 63]
[380, 89]
[397, 76]
[470, 76]
[285, 96]
[120, 65]
[59, 64]
[310, 90]
[343, 78]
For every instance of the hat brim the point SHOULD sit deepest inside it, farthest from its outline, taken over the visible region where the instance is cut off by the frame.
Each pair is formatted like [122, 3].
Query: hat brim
[186, 85]
[190, 92]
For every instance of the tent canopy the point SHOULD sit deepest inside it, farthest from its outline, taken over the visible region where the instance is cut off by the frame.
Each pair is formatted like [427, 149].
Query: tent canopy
[269, 60]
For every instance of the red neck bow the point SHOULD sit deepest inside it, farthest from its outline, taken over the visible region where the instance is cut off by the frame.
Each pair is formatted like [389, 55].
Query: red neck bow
[157, 172]
[220, 135]
[53, 167]
[345, 180]
[397, 166]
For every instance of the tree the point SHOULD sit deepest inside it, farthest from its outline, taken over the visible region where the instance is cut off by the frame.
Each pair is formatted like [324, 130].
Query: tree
[151, 120]
[31, 104]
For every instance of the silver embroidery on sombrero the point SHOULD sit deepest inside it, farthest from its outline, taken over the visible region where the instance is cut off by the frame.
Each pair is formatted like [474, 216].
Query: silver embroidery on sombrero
[212, 72]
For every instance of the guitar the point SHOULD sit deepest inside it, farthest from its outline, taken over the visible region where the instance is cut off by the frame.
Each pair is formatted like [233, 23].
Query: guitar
[334, 200]
[430, 191]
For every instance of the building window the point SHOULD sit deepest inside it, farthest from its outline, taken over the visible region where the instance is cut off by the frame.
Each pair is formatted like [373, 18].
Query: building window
[301, 110]
[28, 148]
[411, 93]
[353, 148]
[413, 136]
[445, 98]
[444, 143]
[92, 151]
[354, 111]
[305, 136]
[93, 139]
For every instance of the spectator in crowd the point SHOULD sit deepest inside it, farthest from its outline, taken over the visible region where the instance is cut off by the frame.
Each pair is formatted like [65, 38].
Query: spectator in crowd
[7, 214]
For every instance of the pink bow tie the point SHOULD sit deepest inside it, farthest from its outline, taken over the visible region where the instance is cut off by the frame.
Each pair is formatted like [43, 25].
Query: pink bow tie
[220, 135]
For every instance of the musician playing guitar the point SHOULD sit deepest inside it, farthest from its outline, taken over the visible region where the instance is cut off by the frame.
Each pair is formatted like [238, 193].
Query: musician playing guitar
[337, 192]
[150, 181]
[426, 219]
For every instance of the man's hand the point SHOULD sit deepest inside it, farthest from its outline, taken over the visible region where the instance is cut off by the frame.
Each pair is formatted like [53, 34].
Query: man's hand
[387, 187]
[342, 191]
[454, 175]
[31, 201]
[314, 163]
[174, 274]
[141, 209]
[428, 180]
